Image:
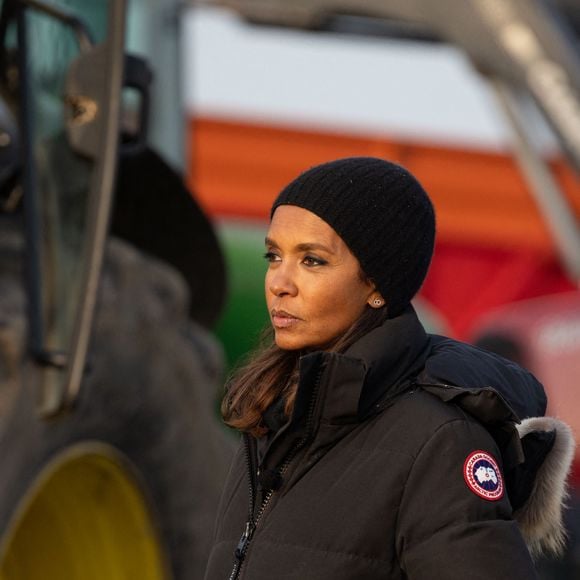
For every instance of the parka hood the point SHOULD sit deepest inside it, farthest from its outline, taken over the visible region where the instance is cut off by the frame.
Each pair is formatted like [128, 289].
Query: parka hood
[463, 365]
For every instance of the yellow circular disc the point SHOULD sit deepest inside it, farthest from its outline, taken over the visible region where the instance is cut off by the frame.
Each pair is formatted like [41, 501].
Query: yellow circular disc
[85, 517]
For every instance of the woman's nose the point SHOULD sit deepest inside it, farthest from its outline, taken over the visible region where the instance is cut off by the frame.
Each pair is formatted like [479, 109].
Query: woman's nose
[280, 282]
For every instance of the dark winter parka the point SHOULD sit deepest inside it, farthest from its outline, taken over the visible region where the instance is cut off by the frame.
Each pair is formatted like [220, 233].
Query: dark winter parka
[394, 465]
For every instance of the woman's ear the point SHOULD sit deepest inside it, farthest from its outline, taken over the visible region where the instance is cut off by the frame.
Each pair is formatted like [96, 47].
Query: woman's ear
[375, 300]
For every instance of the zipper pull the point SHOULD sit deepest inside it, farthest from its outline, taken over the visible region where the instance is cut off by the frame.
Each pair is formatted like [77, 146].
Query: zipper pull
[270, 480]
[244, 540]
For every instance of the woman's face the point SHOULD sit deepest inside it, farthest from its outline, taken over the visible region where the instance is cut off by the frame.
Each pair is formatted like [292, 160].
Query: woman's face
[314, 288]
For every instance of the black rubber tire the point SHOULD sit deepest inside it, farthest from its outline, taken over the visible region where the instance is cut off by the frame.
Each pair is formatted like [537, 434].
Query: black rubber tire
[150, 393]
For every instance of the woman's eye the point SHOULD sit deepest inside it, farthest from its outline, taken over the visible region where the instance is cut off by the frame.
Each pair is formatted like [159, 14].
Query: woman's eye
[312, 261]
[271, 257]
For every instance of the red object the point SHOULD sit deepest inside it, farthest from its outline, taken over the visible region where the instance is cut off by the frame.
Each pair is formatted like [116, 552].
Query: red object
[545, 332]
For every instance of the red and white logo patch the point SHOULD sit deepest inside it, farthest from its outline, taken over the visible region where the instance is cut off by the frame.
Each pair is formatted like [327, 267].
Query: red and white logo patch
[483, 476]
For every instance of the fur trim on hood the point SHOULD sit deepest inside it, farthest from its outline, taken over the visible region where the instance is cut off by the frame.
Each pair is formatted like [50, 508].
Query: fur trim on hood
[540, 517]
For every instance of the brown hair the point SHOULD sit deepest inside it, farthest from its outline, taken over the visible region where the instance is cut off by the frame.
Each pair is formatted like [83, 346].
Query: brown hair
[272, 372]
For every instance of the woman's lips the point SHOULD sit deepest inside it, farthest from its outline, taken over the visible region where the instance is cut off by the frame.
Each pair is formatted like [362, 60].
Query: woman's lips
[283, 319]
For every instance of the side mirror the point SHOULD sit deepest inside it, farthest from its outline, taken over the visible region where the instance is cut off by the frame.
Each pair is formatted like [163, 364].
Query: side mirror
[85, 95]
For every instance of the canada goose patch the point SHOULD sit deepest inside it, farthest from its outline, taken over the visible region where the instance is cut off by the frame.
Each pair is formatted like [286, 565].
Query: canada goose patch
[483, 476]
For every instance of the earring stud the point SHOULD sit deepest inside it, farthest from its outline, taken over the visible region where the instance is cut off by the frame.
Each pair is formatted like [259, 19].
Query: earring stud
[377, 302]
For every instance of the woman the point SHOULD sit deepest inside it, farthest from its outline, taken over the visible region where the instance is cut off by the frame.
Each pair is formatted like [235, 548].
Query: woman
[372, 450]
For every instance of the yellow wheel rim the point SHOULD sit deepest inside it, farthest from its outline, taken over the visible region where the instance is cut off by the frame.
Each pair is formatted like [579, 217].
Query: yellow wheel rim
[84, 518]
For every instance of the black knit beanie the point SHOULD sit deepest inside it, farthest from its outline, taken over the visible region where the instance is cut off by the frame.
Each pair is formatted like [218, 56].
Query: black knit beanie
[382, 214]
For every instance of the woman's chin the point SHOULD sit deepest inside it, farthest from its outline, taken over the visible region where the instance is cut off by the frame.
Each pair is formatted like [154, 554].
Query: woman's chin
[286, 341]
[287, 344]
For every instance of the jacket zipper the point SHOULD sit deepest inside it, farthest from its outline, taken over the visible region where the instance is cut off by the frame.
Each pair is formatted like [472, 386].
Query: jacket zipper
[242, 546]
[252, 523]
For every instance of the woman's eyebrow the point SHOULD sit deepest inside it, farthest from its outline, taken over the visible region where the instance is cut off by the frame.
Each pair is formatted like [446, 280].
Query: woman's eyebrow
[313, 246]
[304, 247]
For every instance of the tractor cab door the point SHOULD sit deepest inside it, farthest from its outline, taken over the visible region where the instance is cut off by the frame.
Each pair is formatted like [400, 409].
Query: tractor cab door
[61, 75]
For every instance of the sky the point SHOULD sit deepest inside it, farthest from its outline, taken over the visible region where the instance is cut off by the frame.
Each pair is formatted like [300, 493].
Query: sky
[332, 81]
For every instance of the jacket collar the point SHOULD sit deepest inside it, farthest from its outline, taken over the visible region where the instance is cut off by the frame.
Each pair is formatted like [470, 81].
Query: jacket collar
[378, 366]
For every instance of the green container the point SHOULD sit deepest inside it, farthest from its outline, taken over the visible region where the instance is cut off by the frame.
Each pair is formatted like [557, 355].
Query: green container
[245, 314]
